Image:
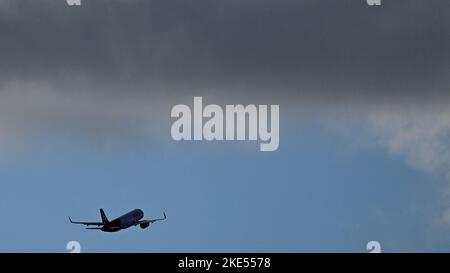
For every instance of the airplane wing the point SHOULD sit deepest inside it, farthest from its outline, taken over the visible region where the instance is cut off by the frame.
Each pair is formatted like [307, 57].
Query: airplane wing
[87, 223]
[152, 220]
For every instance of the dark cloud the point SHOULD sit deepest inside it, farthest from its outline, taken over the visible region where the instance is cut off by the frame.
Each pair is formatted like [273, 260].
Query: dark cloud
[116, 67]
[281, 49]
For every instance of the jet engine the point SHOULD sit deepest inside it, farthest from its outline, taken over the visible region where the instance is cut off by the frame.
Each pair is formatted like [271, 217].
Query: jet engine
[145, 225]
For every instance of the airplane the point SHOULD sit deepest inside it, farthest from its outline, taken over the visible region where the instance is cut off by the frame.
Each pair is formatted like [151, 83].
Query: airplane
[132, 218]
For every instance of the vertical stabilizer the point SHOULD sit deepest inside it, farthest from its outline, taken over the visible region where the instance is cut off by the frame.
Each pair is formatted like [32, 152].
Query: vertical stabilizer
[104, 218]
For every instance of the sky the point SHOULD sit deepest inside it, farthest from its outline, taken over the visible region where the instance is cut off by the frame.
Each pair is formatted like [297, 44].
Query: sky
[85, 100]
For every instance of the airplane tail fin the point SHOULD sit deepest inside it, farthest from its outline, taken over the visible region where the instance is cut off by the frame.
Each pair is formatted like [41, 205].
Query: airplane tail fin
[104, 218]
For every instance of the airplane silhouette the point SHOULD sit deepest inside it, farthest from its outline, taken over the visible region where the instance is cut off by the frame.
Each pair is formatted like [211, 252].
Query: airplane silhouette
[132, 218]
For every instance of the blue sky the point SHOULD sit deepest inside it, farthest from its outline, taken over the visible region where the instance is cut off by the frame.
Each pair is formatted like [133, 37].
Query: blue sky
[315, 193]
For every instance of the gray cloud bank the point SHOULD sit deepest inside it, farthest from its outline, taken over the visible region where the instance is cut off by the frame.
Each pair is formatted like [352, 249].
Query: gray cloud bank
[110, 67]
[282, 50]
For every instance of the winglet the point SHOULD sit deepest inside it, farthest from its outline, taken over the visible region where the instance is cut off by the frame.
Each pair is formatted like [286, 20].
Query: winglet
[70, 220]
[164, 215]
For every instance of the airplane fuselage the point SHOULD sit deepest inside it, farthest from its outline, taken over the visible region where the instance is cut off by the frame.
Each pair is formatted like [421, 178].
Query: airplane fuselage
[125, 221]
